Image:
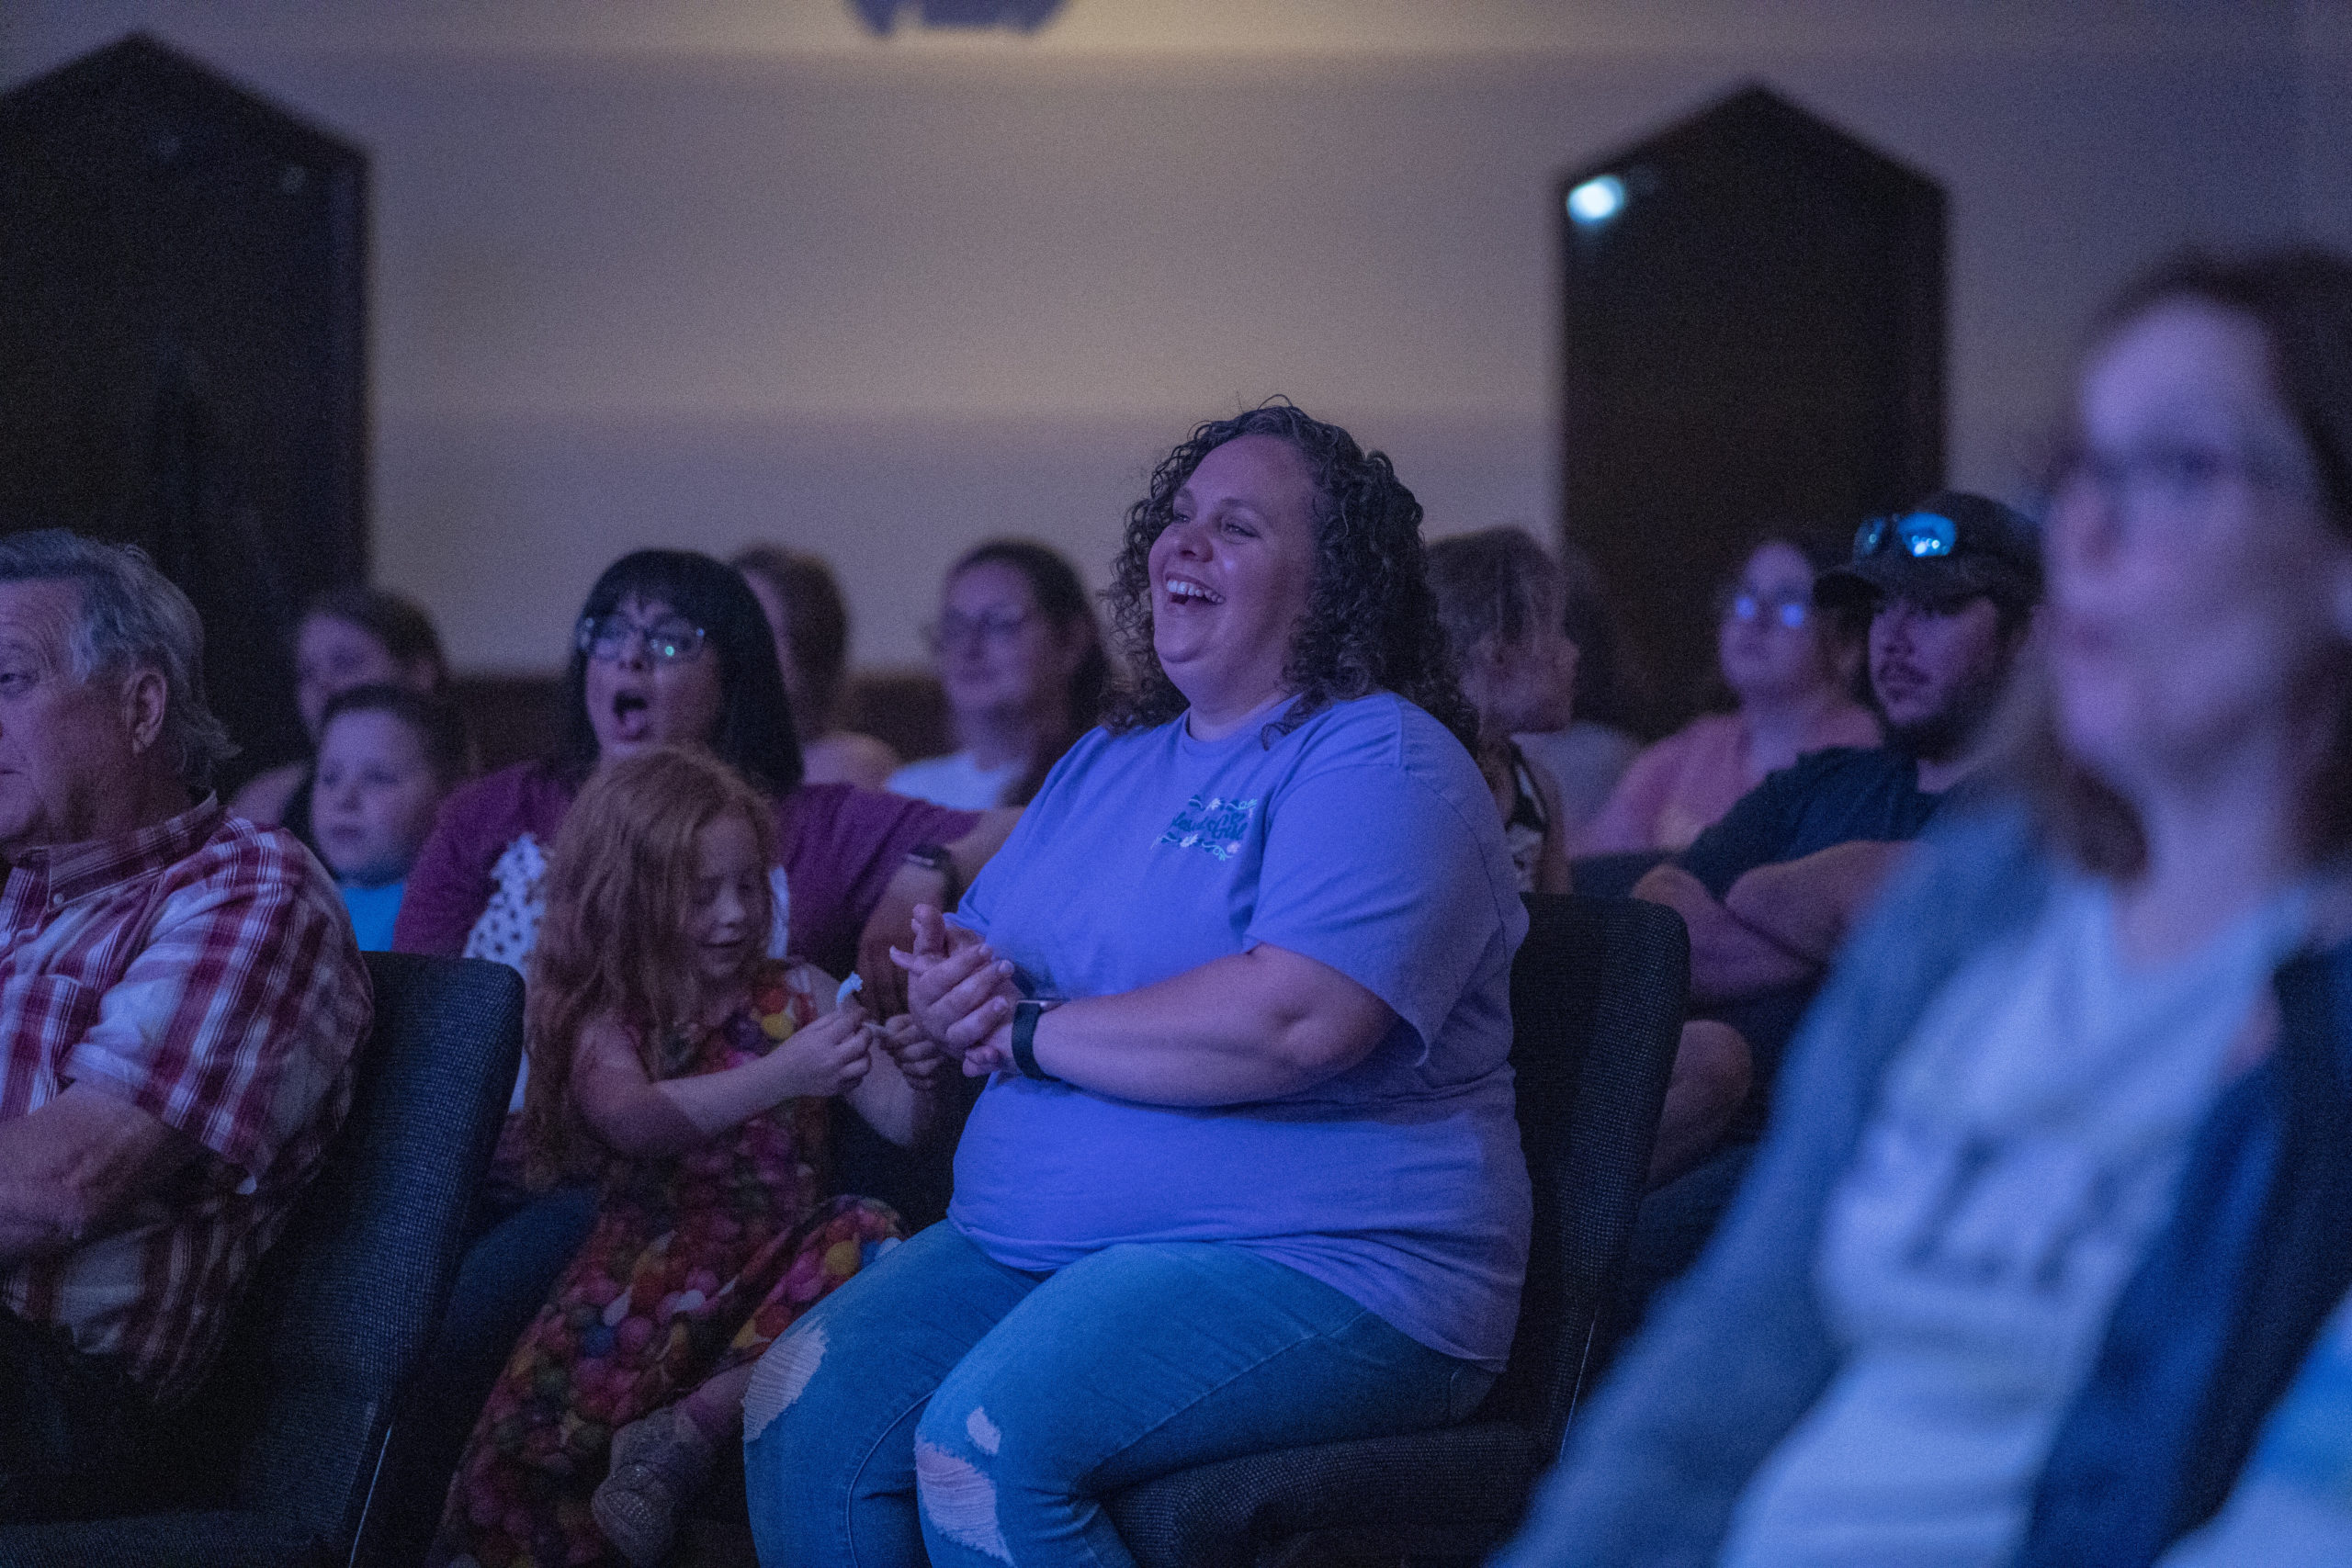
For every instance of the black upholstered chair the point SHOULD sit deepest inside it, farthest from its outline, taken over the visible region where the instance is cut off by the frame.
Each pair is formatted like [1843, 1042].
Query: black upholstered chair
[275, 1459]
[1596, 997]
[1612, 875]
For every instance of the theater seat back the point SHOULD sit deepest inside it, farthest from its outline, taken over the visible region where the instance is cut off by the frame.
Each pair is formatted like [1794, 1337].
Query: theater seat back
[274, 1458]
[1596, 1001]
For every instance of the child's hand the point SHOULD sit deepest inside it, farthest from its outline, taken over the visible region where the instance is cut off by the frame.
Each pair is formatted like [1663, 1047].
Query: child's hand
[827, 1057]
[925, 1062]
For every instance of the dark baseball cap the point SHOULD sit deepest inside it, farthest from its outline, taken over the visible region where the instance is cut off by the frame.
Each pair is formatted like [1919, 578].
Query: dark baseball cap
[1950, 547]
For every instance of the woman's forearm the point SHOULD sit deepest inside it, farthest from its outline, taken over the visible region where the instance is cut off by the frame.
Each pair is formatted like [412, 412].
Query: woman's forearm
[1255, 1026]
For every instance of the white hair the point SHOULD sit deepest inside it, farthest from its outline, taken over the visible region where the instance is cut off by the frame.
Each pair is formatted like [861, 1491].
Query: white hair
[132, 617]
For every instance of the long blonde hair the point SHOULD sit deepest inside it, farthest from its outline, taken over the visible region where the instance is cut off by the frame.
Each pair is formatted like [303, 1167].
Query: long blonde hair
[619, 885]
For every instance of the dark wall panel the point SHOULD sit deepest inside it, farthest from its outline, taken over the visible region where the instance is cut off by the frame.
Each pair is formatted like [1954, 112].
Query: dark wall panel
[1754, 334]
[182, 349]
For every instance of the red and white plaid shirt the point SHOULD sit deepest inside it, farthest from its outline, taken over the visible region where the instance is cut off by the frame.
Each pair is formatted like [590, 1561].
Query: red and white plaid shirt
[204, 970]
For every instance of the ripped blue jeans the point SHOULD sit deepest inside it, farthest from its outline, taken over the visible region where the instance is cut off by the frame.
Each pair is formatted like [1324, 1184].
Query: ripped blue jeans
[943, 1404]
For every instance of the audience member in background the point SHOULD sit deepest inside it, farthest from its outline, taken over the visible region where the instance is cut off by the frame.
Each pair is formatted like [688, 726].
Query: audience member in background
[805, 611]
[1592, 753]
[1792, 669]
[670, 647]
[1770, 891]
[1500, 600]
[688, 1071]
[179, 1005]
[1277, 901]
[388, 757]
[2029, 1078]
[1022, 659]
[348, 637]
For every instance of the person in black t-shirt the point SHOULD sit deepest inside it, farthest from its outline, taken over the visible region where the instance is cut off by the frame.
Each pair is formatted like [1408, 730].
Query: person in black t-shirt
[1770, 890]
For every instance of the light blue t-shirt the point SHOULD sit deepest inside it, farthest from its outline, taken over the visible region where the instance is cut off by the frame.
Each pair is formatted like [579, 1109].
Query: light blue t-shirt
[1365, 839]
[372, 912]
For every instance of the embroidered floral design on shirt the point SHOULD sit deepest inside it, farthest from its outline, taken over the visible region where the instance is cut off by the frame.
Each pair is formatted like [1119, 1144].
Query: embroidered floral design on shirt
[1215, 825]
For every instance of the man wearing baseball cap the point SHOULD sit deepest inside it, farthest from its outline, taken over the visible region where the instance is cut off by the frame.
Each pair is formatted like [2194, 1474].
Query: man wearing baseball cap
[1770, 891]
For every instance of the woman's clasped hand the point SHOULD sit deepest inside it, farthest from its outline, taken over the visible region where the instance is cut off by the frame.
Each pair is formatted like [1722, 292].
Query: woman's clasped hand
[960, 994]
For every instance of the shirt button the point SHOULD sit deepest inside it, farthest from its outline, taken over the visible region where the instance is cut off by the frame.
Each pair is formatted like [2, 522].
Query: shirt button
[57, 901]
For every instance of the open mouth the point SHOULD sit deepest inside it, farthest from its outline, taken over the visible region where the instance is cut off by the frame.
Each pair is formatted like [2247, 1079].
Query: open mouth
[1184, 591]
[632, 714]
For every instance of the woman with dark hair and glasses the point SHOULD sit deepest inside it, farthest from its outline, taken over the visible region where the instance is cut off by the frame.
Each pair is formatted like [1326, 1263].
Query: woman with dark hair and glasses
[1791, 669]
[1021, 660]
[2057, 1188]
[670, 647]
[1245, 1173]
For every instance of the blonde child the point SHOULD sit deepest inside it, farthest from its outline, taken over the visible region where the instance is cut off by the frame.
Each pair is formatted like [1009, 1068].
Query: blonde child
[690, 1074]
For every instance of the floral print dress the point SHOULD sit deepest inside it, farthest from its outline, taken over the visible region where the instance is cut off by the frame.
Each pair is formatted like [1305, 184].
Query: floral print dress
[696, 1263]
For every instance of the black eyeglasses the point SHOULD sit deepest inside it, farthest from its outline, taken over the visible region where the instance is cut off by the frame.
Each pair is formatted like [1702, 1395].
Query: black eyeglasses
[672, 639]
[1922, 536]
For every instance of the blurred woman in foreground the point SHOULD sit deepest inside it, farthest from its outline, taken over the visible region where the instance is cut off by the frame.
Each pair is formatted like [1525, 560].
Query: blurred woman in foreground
[2091, 1030]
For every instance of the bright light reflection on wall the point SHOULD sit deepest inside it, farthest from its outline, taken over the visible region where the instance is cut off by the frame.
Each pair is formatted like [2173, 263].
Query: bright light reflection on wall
[1598, 199]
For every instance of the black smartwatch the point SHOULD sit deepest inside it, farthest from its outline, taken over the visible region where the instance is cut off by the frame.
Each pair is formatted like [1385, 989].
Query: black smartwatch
[1026, 1015]
[934, 857]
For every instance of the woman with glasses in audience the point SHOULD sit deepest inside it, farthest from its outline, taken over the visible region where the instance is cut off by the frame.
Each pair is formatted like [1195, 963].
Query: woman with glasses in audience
[2058, 1182]
[1021, 660]
[670, 647]
[1246, 1172]
[1792, 669]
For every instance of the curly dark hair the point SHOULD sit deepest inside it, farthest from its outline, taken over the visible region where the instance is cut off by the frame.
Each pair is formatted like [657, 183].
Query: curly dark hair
[1371, 623]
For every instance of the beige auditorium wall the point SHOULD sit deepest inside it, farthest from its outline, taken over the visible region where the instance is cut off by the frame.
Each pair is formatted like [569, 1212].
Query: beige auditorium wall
[713, 270]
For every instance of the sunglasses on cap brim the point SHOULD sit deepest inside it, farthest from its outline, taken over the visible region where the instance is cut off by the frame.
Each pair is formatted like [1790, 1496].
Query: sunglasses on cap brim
[1922, 536]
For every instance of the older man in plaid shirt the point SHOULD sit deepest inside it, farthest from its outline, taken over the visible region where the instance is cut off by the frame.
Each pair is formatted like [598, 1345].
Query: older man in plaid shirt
[180, 998]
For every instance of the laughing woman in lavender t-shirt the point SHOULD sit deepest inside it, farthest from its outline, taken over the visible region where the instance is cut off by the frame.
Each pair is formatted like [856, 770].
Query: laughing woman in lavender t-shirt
[1246, 1173]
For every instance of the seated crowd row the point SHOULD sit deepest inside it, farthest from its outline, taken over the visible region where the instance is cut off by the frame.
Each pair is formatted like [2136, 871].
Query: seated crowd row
[2003, 1174]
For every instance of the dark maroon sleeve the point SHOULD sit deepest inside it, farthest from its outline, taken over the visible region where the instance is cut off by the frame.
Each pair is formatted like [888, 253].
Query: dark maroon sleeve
[842, 845]
[449, 887]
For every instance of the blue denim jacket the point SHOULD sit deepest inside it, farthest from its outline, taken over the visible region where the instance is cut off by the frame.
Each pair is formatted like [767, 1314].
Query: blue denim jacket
[2202, 1340]
[2208, 1333]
